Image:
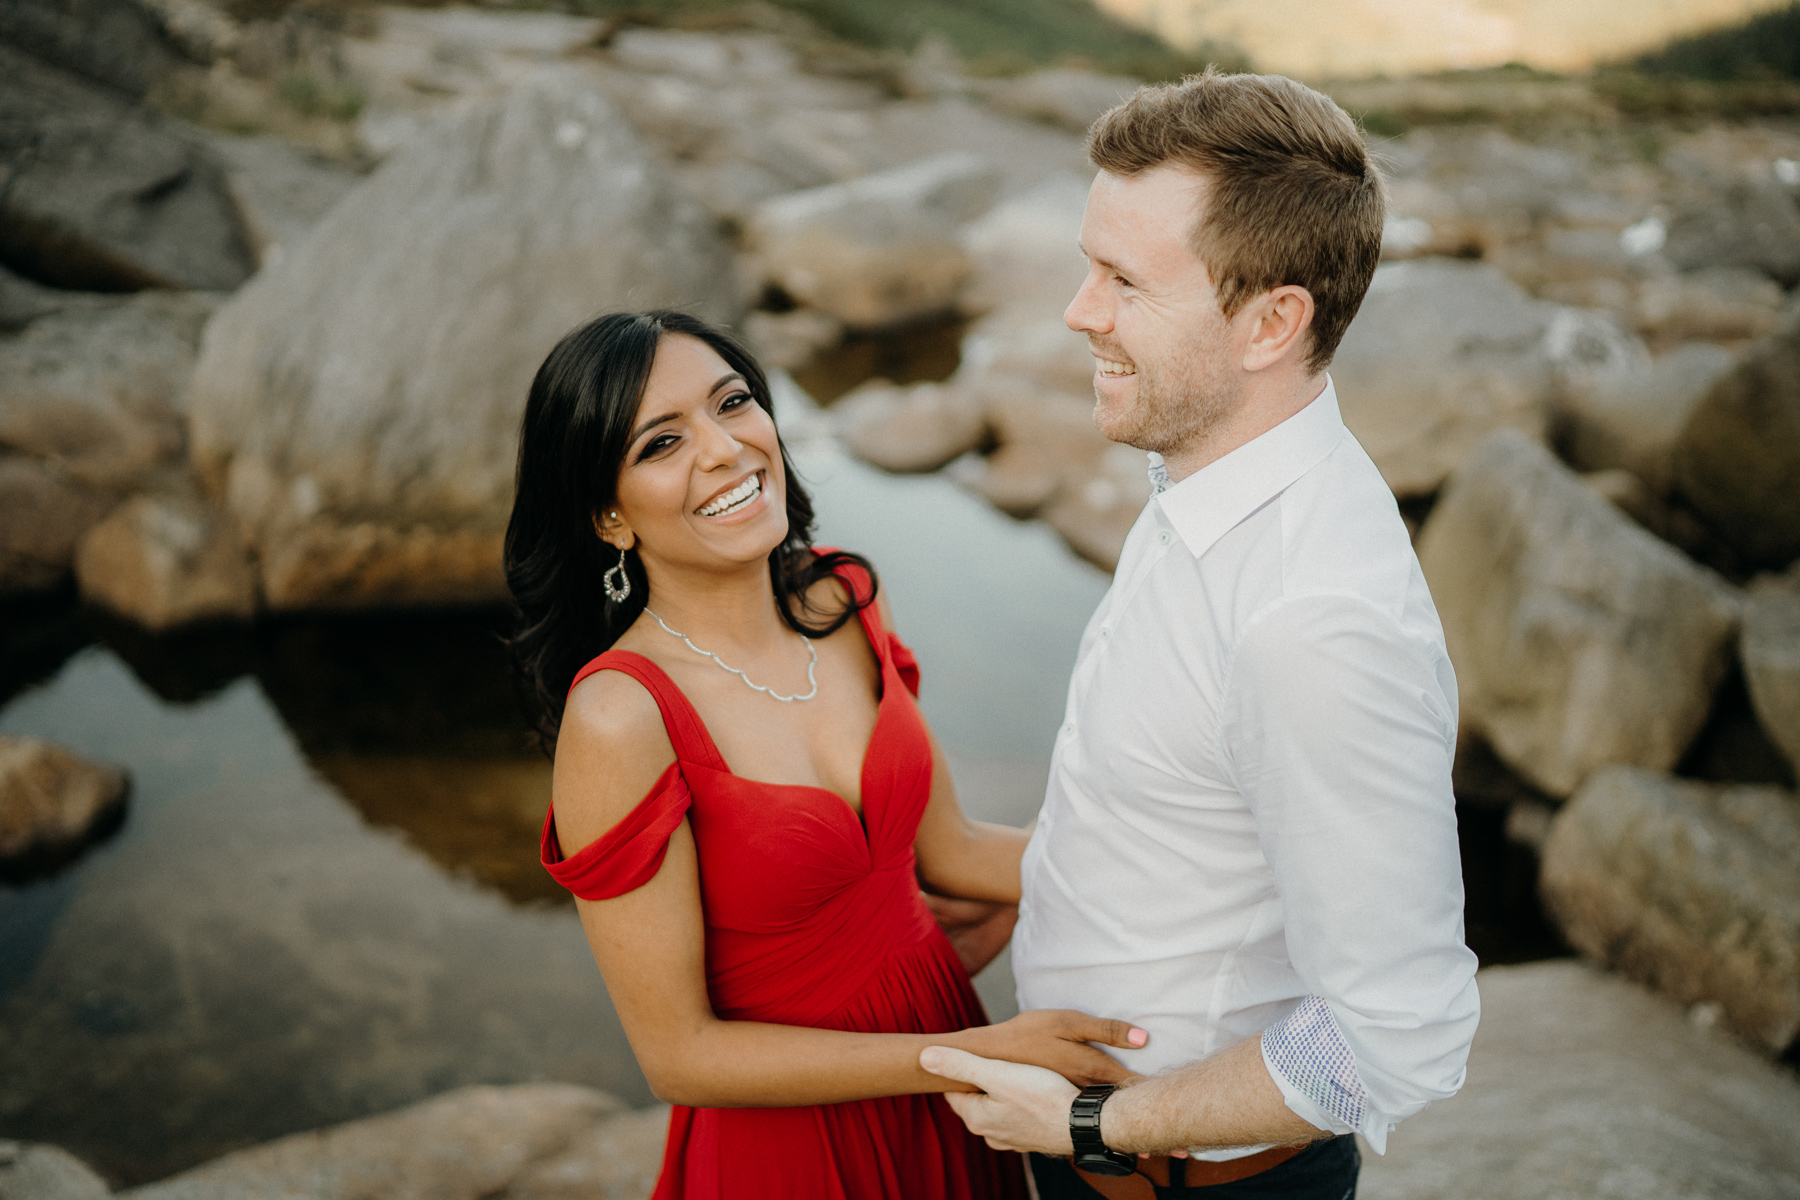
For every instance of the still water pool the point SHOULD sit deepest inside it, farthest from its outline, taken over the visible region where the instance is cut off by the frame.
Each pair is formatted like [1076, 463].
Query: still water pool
[325, 901]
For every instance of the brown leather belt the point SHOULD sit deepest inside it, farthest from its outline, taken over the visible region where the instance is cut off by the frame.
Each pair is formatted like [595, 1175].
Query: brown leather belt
[1164, 1171]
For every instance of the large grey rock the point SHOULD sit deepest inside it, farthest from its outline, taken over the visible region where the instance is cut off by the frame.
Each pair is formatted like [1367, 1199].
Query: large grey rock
[281, 190]
[1631, 420]
[50, 798]
[98, 385]
[105, 195]
[1723, 303]
[879, 250]
[533, 1141]
[43, 515]
[164, 561]
[35, 1171]
[1770, 651]
[1065, 96]
[356, 406]
[1583, 1085]
[1441, 354]
[1738, 459]
[118, 43]
[1692, 888]
[917, 428]
[1578, 638]
[1754, 223]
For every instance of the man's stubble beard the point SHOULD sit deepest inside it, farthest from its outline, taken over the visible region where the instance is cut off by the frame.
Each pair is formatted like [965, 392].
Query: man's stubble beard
[1172, 410]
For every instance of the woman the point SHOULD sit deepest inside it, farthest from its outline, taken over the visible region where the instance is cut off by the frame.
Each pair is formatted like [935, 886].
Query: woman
[746, 799]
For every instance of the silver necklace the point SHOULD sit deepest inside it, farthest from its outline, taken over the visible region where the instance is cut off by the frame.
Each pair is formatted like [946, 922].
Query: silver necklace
[812, 662]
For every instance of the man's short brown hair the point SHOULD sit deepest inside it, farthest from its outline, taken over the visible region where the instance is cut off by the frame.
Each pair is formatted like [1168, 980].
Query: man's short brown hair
[1293, 195]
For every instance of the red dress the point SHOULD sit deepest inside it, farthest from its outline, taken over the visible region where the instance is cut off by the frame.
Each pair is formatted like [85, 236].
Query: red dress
[812, 918]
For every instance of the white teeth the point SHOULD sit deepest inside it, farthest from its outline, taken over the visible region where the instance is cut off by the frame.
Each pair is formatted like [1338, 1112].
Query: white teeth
[736, 498]
[1108, 367]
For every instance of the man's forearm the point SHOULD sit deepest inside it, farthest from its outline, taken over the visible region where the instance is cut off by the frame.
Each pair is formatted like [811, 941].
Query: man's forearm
[1227, 1100]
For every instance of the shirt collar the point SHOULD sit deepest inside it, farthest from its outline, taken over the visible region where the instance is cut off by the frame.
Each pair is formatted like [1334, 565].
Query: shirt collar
[1205, 506]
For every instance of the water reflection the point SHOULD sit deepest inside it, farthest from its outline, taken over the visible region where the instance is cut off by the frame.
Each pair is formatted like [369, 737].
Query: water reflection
[926, 352]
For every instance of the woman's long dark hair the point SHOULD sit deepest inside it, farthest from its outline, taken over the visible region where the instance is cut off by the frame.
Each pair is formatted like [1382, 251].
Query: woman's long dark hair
[572, 446]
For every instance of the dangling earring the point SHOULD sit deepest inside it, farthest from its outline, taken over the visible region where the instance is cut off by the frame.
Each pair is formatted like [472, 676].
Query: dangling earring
[617, 592]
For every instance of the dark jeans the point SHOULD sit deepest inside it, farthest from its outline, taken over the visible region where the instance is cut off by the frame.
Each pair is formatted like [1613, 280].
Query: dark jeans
[1325, 1170]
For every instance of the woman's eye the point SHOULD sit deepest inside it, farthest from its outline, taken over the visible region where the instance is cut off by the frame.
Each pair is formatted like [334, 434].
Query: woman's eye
[1121, 281]
[735, 400]
[656, 445]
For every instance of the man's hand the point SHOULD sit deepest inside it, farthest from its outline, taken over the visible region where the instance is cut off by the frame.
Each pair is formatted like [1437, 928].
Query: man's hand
[1024, 1108]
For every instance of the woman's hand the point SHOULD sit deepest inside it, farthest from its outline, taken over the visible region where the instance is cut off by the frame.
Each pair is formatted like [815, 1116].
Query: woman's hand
[1057, 1038]
[978, 929]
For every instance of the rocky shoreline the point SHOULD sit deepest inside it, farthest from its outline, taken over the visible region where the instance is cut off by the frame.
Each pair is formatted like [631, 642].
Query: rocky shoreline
[1579, 1084]
[288, 379]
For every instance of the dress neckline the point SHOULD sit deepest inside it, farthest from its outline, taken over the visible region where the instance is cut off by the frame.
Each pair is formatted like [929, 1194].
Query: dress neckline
[875, 634]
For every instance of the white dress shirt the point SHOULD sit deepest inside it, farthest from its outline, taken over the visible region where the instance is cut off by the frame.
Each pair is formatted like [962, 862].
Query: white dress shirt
[1249, 827]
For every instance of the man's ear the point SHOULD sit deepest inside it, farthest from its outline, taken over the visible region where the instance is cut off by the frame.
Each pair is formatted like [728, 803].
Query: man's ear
[613, 529]
[1281, 324]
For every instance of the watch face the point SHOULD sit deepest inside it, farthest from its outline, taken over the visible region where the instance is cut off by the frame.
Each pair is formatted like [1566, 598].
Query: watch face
[1104, 1163]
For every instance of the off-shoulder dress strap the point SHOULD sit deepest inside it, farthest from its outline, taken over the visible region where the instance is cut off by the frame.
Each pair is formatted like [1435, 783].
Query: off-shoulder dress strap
[687, 732]
[629, 855]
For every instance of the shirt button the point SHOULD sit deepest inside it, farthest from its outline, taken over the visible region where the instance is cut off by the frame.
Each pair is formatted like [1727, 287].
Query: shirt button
[1163, 537]
[1105, 633]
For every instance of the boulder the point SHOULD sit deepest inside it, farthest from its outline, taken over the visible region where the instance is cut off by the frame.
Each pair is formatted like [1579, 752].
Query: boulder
[1065, 96]
[164, 561]
[1738, 459]
[876, 251]
[1582, 1084]
[1721, 303]
[1441, 354]
[281, 190]
[532, 1141]
[788, 341]
[35, 1171]
[1690, 887]
[1754, 223]
[105, 195]
[43, 515]
[903, 429]
[1769, 648]
[51, 800]
[1047, 441]
[118, 43]
[1024, 252]
[356, 406]
[1096, 509]
[98, 385]
[1631, 420]
[1578, 637]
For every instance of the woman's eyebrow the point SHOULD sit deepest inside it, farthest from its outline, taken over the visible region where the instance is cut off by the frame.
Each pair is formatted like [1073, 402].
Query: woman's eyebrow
[725, 380]
[652, 423]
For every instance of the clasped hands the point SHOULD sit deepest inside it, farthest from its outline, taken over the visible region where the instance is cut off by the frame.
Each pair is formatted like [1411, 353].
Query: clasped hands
[1021, 1106]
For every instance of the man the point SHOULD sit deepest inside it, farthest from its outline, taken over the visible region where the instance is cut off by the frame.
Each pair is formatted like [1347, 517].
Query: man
[1248, 846]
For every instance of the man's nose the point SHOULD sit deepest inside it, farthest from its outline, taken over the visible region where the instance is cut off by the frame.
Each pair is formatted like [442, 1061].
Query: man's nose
[1087, 311]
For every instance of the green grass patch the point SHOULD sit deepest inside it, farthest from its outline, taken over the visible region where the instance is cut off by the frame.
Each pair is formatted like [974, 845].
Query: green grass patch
[993, 37]
[1762, 49]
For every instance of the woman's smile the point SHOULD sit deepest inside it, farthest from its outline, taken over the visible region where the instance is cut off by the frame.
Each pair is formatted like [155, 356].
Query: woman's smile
[735, 500]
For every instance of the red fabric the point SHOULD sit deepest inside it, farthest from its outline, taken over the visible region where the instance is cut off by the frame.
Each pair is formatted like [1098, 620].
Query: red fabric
[812, 918]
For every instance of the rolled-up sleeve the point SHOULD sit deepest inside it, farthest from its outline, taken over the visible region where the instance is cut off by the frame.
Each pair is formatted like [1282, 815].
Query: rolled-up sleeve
[1340, 730]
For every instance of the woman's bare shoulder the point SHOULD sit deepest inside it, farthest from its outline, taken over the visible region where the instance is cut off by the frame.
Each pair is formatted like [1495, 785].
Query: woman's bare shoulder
[610, 751]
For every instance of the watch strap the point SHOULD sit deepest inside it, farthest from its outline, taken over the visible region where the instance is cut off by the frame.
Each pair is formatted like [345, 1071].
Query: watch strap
[1091, 1152]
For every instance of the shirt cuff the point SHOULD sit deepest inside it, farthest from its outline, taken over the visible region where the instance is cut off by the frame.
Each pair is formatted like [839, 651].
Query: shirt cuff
[1307, 1058]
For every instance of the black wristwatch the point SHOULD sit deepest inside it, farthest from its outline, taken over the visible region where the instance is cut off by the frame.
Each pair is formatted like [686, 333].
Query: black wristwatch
[1091, 1154]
